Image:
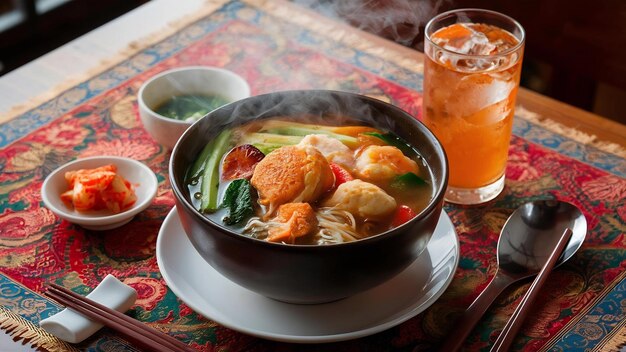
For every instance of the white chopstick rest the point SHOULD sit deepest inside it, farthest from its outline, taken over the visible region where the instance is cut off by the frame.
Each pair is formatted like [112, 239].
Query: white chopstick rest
[74, 328]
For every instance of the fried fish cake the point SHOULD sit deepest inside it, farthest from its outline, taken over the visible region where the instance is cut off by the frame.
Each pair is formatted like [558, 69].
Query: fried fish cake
[291, 174]
[297, 220]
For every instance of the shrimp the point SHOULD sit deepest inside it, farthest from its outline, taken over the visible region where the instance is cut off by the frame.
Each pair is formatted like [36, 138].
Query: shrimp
[380, 163]
[333, 150]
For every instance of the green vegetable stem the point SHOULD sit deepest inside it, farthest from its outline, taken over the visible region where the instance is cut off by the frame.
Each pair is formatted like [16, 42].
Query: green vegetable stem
[210, 171]
[301, 129]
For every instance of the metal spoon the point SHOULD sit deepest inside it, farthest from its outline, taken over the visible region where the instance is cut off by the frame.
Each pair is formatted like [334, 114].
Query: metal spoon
[526, 242]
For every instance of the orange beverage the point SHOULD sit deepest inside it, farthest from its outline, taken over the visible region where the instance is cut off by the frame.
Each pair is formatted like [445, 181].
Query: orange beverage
[471, 76]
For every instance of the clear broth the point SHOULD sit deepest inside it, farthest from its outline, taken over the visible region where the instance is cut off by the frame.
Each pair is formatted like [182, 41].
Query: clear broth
[416, 198]
[190, 107]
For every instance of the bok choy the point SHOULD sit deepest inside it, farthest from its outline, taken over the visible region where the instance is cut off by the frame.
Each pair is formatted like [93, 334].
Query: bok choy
[208, 170]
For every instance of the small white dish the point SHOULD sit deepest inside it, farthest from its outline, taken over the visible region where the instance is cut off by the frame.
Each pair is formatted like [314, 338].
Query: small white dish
[73, 327]
[207, 292]
[140, 176]
[199, 80]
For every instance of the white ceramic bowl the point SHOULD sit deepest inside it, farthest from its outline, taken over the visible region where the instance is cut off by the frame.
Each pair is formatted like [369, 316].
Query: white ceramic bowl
[185, 80]
[139, 175]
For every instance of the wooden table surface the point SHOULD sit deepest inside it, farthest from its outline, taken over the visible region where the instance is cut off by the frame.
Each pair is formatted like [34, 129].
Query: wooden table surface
[89, 51]
[601, 127]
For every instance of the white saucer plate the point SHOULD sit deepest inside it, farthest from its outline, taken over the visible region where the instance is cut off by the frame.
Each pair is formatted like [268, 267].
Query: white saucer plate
[212, 295]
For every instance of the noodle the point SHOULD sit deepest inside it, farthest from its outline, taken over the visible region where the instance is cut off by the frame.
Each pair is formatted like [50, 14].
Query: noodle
[335, 226]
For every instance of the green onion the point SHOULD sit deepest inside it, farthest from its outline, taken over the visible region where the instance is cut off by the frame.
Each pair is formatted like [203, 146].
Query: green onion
[393, 140]
[407, 180]
[302, 129]
[269, 138]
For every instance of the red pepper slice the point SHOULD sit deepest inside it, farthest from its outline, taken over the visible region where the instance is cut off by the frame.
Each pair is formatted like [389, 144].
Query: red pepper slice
[341, 175]
[402, 215]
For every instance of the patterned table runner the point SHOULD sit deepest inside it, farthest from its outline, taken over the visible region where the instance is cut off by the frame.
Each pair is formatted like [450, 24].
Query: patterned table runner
[278, 48]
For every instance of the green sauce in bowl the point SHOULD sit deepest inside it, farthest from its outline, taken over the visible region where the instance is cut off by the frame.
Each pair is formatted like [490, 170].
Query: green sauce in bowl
[190, 107]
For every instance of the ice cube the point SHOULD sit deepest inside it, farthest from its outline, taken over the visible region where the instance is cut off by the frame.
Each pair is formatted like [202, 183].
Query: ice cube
[480, 94]
[476, 43]
[470, 42]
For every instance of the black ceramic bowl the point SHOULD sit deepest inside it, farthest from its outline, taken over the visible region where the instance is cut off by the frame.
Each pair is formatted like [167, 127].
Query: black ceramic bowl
[298, 273]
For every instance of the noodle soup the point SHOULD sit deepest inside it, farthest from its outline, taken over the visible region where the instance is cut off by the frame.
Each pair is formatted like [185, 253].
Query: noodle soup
[309, 184]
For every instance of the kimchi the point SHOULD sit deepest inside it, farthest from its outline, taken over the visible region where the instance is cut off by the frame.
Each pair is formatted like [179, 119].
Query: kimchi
[98, 189]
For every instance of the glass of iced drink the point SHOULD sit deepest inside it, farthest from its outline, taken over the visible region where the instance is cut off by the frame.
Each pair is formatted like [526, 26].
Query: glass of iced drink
[471, 75]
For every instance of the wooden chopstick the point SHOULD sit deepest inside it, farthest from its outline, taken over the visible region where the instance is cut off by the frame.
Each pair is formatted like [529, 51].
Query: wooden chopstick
[507, 335]
[131, 328]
